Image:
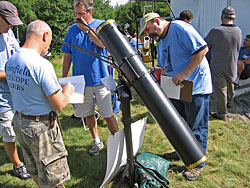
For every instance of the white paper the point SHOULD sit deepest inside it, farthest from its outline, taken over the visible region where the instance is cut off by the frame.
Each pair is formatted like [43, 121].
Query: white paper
[79, 83]
[170, 88]
[109, 83]
[117, 152]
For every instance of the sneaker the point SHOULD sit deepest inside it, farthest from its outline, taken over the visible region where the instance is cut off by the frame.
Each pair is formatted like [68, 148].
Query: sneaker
[21, 172]
[95, 148]
[236, 83]
[225, 117]
[219, 116]
[193, 174]
[171, 156]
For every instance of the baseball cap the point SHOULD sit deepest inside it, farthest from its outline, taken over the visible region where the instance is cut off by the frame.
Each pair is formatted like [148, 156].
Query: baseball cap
[228, 12]
[9, 12]
[147, 17]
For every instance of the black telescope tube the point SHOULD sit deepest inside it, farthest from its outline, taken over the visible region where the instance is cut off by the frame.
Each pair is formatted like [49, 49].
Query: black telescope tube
[132, 67]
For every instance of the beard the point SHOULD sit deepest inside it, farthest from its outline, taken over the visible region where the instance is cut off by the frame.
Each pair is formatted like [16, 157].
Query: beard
[155, 37]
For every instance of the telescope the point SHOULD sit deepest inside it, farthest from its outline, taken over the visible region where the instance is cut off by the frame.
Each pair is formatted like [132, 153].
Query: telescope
[135, 74]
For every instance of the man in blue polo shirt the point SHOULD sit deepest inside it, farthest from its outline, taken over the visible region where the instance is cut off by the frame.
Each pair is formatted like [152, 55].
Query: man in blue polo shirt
[93, 70]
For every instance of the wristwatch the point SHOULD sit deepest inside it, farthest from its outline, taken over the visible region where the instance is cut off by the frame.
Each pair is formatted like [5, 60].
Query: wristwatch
[87, 31]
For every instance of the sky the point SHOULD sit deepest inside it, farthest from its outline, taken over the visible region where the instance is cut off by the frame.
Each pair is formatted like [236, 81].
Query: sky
[119, 2]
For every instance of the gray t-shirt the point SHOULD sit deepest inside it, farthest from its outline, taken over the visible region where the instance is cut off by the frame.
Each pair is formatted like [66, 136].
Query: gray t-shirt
[224, 42]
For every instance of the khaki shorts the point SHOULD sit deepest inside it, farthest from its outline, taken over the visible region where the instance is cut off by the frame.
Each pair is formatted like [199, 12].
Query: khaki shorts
[6, 128]
[43, 149]
[103, 100]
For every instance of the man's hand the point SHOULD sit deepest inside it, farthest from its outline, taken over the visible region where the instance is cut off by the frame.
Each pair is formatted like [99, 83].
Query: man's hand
[179, 78]
[69, 88]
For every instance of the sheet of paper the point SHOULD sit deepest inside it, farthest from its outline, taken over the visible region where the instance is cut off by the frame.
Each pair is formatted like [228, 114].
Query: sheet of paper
[170, 88]
[116, 149]
[79, 83]
[109, 83]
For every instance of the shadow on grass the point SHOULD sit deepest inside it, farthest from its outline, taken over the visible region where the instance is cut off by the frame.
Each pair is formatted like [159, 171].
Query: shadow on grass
[176, 168]
[4, 185]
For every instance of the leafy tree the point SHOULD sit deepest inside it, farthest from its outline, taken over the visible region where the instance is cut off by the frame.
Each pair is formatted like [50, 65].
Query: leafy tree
[26, 14]
[102, 10]
[131, 13]
[57, 13]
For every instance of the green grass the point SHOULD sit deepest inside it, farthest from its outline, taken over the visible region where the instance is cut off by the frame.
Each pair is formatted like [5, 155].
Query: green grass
[227, 165]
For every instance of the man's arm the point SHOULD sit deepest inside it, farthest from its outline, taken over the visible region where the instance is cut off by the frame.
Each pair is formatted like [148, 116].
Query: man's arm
[60, 99]
[195, 61]
[2, 75]
[66, 64]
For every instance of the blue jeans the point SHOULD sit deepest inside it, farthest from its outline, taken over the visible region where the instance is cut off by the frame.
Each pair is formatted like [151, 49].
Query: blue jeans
[196, 114]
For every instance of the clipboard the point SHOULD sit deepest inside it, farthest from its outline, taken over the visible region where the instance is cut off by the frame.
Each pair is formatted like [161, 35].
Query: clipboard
[79, 83]
[182, 92]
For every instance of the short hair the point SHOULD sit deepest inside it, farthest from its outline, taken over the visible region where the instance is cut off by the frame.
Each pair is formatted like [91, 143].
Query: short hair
[186, 14]
[89, 4]
[36, 27]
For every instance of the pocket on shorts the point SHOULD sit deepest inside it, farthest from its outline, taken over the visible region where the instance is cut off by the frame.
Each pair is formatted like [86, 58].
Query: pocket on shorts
[31, 131]
[56, 169]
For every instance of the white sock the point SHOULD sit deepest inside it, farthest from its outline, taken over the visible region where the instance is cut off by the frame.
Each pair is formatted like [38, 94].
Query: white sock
[97, 140]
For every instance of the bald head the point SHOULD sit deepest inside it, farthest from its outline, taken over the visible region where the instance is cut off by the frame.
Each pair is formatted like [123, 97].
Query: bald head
[37, 27]
[38, 36]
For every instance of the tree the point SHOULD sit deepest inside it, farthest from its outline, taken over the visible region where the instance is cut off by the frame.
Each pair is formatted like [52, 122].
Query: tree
[102, 10]
[57, 13]
[131, 13]
[26, 14]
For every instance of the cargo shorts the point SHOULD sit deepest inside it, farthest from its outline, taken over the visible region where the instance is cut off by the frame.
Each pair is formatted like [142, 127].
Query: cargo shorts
[43, 149]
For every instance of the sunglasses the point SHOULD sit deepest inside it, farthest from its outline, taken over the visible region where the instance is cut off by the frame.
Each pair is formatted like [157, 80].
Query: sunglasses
[5, 20]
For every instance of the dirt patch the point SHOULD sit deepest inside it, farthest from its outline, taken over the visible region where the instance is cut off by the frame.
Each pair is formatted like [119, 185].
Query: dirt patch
[239, 110]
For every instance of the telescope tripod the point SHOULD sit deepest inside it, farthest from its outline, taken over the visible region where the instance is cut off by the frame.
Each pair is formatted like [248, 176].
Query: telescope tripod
[124, 95]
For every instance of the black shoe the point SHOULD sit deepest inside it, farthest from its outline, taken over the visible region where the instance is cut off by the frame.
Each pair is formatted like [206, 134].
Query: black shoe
[74, 117]
[219, 116]
[21, 172]
[171, 156]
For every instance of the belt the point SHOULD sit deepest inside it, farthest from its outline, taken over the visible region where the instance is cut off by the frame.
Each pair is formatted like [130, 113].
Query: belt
[37, 118]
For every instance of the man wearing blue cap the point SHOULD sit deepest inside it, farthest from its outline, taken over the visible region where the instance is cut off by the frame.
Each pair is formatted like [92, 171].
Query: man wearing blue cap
[8, 46]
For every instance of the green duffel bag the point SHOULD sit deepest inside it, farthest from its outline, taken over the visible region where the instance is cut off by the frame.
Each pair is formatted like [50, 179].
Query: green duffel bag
[156, 165]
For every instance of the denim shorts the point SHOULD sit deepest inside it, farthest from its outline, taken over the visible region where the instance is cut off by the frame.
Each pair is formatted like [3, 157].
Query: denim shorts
[43, 149]
[6, 128]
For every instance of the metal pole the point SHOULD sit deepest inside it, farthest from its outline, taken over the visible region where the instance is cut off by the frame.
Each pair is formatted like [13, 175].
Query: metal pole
[124, 95]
